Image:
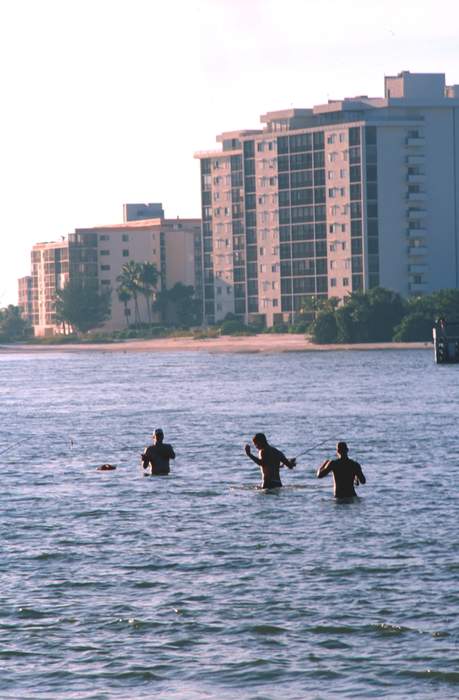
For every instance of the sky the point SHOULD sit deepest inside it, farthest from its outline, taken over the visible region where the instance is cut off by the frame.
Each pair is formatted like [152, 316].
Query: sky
[106, 101]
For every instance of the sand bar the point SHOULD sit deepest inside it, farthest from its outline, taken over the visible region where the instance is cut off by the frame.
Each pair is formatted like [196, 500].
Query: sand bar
[276, 342]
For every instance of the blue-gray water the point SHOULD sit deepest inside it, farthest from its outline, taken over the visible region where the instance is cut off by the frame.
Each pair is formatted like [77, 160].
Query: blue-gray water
[198, 586]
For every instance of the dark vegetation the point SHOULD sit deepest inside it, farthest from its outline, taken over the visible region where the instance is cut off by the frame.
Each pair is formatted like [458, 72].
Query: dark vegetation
[383, 316]
[377, 316]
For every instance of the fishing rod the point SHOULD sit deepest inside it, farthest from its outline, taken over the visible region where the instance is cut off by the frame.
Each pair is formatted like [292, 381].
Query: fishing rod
[310, 449]
[13, 445]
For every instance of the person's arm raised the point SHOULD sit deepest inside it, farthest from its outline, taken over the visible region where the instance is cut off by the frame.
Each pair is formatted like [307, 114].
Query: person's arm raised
[324, 469]
[252, 457]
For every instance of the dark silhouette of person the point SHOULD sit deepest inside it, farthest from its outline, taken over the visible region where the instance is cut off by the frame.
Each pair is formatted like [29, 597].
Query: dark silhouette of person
[346, 472]
[442, 326]
[158, 454]
[270, 460]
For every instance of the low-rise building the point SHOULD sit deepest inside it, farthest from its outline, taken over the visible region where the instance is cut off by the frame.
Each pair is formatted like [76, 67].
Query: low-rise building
[25, 297]
[99, 253]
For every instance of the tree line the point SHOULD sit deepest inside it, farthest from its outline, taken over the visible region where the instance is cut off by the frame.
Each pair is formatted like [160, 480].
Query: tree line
[381, 315]
[13, 327]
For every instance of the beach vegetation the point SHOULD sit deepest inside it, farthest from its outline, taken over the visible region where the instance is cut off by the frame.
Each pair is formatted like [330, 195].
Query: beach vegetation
[382, 315]
[180, 306]
[82, 305]
[13, 327]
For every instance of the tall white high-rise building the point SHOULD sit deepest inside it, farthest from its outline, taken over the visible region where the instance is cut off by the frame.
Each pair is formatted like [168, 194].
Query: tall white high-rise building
[345, 196]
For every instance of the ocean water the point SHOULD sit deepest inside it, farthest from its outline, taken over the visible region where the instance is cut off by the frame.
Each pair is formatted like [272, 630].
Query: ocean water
[198, 585]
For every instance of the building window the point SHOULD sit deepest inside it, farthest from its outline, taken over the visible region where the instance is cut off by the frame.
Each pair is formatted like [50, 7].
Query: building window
[125, 237]
[333, 282]
[105, 268]
[345, 281]
[103, 237]
[105, 282]
[105, 252]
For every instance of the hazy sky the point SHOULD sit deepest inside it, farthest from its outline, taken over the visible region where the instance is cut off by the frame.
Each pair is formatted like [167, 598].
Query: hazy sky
[105, 101]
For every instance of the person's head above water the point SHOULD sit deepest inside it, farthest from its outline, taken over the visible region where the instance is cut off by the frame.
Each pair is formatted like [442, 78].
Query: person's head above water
[158, 435]
[342, 449]
[259, 440]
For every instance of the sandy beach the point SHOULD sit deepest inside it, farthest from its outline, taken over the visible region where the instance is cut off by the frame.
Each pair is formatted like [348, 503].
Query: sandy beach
[282, 342]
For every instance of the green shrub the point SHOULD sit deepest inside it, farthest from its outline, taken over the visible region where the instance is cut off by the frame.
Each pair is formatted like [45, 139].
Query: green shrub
[417, 326]
[323, 329]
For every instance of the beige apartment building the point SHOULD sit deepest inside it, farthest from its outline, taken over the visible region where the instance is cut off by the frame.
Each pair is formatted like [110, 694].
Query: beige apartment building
[50, 271]
[99, 253]
[340, 197]
[25, 300]
[172, 245]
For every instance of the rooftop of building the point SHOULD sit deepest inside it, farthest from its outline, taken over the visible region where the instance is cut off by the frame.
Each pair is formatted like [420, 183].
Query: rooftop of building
[143, 224]
[406, 89]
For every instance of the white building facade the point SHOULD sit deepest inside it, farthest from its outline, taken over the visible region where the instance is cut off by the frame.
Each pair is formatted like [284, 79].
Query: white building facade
[320, 202]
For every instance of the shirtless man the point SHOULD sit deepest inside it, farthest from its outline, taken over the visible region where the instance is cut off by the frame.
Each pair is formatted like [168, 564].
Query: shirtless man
[158, 455]
[269, 460]
[345, 472]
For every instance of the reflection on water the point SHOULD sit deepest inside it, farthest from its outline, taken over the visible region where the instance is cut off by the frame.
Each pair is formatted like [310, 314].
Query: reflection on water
[199, 585]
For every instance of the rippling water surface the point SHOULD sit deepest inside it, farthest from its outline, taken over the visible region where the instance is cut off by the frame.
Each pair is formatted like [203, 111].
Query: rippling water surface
[199, 586]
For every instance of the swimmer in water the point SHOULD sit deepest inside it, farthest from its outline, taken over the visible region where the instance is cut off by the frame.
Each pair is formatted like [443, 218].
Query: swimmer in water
[158, 455]
[269, 459]
[346, 472]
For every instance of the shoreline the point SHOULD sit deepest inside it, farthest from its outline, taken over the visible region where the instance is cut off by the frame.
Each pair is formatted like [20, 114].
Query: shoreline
[263, 343]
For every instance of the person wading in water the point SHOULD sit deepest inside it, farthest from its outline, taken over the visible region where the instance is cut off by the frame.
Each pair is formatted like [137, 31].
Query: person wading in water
[158, 455]
[346, 472]
[269, 460]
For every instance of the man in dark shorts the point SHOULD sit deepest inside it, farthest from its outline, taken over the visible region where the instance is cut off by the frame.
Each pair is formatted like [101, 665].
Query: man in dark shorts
[345, 472]
[158, 455]
[269, 460]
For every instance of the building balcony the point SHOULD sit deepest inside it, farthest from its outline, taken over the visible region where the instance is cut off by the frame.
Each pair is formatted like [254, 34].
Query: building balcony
[417, 286]
[417, 251]
[416, 160]
[418, 141]
[416, 197]
[417, 269]
[416, 178]
[416, 214]
[416, 232]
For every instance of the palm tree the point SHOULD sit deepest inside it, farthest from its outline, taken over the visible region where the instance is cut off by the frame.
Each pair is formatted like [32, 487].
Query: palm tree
[125, 296]
[129, 280]
[148, 278]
